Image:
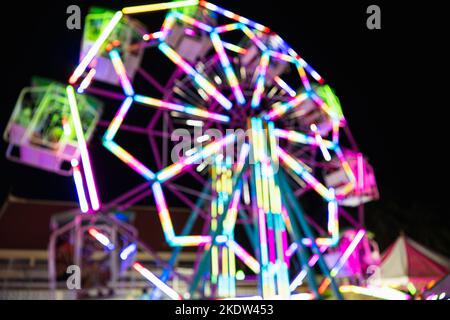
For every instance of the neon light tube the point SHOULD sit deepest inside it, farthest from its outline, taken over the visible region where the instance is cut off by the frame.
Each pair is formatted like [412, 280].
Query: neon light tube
[244, 256]
[333, 225]
[100, 237]
[312, 262]
[323, 149]
[305, 65]
[347, 253]
[163, 212]
[167, 225]
[234, 48]
[118, 119]
[79, 186]
[193, 22]
[294, 165]
[333, 219]
[302, 296]
[66, 126]
[203, 138]
[201, 113]
[234, 16]
[245, 150]
[291, 249]
[230, 220]
[301, 276]
[336, 127]
[190, 241]
[283, 85]
[121, 72]
[298, 280]
[229, 72]
[324, 106]
[263, 236]
[83, 149]
[377, 292]
[159, 6]
[130, 249]
[303, 76]
[156, 281]
[198, 78]
[411, 288]
[129, 159]
[280, 109]
[152, 36]
[249, 33]
[259, 89]
[167, 26]
[298, 137]
[95, 48]
[281, 56]
[195, 123]
[86, 81]
[360, 160]
[227, 27]
[342, 260]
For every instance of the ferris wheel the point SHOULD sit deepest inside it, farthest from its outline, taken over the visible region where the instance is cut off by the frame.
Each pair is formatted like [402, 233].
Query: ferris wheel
[239, 129]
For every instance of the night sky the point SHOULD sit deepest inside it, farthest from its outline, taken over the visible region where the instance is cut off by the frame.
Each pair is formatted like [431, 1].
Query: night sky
[389, 82]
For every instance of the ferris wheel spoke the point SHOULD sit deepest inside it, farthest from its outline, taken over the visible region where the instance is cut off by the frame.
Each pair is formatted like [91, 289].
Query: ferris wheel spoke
[183, 109]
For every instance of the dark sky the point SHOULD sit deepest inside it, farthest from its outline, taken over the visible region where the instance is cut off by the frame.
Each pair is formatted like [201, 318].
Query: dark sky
[389, 82]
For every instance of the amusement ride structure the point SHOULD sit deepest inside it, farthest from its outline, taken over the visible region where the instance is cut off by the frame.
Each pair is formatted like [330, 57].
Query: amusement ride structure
[261, 134]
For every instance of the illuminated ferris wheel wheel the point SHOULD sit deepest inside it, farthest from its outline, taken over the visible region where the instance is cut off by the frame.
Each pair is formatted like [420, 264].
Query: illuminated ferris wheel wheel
[239, 129]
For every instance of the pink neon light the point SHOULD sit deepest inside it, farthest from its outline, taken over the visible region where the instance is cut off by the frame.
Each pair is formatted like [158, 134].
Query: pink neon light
[360, 172]
[271, 236]
[189, 32]
[284, 246]
[347, 253]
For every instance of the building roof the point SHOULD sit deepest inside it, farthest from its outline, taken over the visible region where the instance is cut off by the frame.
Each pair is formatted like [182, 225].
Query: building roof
[25, 223]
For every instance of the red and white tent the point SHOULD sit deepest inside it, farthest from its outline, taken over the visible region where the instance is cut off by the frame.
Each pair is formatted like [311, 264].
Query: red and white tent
[407, 261]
